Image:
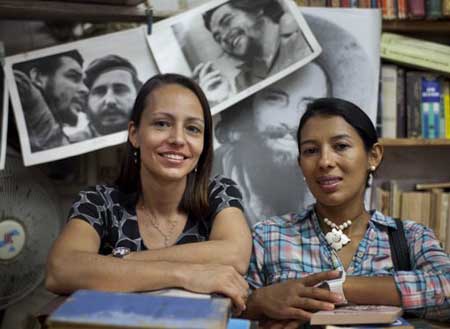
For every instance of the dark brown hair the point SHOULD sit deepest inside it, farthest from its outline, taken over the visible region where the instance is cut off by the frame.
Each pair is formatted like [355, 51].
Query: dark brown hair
[195, 197]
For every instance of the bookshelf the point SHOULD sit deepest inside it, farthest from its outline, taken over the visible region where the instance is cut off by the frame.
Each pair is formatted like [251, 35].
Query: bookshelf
[417, 26]
[414, 142]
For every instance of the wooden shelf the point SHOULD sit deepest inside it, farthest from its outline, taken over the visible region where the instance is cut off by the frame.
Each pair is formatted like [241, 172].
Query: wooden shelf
[413, 142]
[417, 26]
[67, 11]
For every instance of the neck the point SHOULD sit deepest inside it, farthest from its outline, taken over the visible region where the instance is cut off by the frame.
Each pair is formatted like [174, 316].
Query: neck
[339, 215]
[161, 197]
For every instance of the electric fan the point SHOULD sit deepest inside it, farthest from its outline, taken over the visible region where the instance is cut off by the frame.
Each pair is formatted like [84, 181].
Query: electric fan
[30, 219]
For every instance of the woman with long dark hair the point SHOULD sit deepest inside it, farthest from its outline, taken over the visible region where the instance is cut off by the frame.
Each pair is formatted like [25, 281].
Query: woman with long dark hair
[165, 222]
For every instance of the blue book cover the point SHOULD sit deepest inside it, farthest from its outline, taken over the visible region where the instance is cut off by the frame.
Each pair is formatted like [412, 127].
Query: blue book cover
[94, 309]
[431, 108]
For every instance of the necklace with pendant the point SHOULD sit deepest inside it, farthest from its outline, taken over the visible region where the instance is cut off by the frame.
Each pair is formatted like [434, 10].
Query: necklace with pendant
[156, 225]
[336, 237]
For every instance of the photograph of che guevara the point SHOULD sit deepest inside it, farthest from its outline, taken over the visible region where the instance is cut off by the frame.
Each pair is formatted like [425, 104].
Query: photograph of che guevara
[234, 48]
[75, 98]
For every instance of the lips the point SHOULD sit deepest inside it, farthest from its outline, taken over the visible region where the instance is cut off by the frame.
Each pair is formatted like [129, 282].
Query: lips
[329, 183]
[233, 38]
[173, 156]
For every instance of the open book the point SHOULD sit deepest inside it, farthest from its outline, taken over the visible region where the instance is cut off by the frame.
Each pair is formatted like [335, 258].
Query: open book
[357, 314]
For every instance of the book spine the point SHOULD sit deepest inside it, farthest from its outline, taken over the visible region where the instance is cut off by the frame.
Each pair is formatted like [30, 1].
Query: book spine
[335, 3]
[345, 3]
[446, 8]
[416, 8]
[354, 3]
[446, 94]
[364, 4]
[401, 107]
[388, 11]
[433, 9]
[413, 98]
[389, 100]
[431, 103]
[402, 9]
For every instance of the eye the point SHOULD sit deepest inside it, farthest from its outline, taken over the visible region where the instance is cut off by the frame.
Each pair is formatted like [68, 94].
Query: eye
[341, 146]
[194, 129]
[309, 151]
[98, 91]
[120, 89]
[161, 124]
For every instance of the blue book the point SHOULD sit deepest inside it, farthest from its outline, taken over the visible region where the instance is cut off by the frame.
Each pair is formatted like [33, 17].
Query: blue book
[94, 309]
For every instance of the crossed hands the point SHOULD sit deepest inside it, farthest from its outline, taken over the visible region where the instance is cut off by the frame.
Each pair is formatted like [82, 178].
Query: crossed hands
[291, 303]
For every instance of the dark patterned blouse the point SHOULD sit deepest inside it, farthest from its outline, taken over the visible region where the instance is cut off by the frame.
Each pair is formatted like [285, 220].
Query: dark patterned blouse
[109, 211]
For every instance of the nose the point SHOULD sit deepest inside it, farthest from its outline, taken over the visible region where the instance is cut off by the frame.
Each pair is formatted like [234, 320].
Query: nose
[177, 136]
[326, 159]
[82, 89]
[110, 97]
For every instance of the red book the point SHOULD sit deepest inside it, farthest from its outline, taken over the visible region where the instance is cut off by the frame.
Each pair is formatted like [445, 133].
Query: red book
[416, 8]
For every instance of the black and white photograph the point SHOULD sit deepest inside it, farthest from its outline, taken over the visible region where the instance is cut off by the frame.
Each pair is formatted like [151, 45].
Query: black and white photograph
[3, 109]
[234, 48]
[256, 137]
[77, 97]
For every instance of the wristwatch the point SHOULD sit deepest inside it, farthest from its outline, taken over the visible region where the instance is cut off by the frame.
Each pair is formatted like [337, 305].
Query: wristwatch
[337, 286]
[120, 252]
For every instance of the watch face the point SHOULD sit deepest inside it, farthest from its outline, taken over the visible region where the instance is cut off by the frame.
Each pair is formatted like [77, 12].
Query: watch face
[120, 251]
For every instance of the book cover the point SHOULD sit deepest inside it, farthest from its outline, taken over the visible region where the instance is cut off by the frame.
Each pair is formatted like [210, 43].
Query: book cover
[357, 314]
[416, 206]
[400, 323]
[402, 9]
[91, 309]
[415, 52]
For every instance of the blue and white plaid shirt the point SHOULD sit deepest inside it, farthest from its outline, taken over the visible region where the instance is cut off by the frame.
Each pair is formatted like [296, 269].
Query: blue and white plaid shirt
[293, 246]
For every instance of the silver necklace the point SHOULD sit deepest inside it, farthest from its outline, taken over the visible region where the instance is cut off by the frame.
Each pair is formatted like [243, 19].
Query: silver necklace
[155, 224]
[336, 237]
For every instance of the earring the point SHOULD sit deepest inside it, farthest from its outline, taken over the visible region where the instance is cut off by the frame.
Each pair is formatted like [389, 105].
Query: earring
[372, 168]
[135, 156]
[195, 170]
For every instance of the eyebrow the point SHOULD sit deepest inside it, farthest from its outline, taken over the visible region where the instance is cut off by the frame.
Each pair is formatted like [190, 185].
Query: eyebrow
[334, 138]
[197, 119]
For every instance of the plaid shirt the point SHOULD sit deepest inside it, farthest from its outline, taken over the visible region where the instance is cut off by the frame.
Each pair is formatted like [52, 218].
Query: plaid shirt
[293, 246]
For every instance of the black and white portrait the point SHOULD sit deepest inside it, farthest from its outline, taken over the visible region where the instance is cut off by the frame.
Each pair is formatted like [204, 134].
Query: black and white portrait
[77, 97]
[234, 48]
[3, 116]
[257, 136]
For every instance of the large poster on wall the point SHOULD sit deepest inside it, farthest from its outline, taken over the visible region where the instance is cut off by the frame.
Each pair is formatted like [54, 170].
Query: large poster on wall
[75, 98]
[256, 137]
[234, 48]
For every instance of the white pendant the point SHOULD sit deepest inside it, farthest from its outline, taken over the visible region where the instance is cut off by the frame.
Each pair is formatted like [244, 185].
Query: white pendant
[337, 239]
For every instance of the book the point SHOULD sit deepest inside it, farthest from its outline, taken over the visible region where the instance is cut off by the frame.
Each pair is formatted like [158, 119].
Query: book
[433, 9]
[416, 9]
[430, 186]
[413, 102]
[416, 206]
[446, 106]
[357, 314]
[400, 323]
[95, 309]
[431, 106]
[415, 52]
[389, 100]
[401, 103]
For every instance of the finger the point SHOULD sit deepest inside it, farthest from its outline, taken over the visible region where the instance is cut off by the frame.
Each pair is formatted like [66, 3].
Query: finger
[236, 298]
[320, 294]
[205, 69]
[312, 304]
[197, 70]
[212, 82]
[298, 314]
[313, 279]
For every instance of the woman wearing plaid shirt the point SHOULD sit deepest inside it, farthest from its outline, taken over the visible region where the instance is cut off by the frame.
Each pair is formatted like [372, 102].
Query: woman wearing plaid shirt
[338, 152]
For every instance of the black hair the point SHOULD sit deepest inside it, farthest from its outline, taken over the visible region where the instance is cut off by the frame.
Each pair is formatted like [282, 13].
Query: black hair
[350, 112]
[271, 9]
[110, 62]
[195, 197]
[49, 64]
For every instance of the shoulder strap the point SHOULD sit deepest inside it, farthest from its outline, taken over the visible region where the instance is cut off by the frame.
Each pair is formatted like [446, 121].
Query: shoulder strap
[399, 247]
